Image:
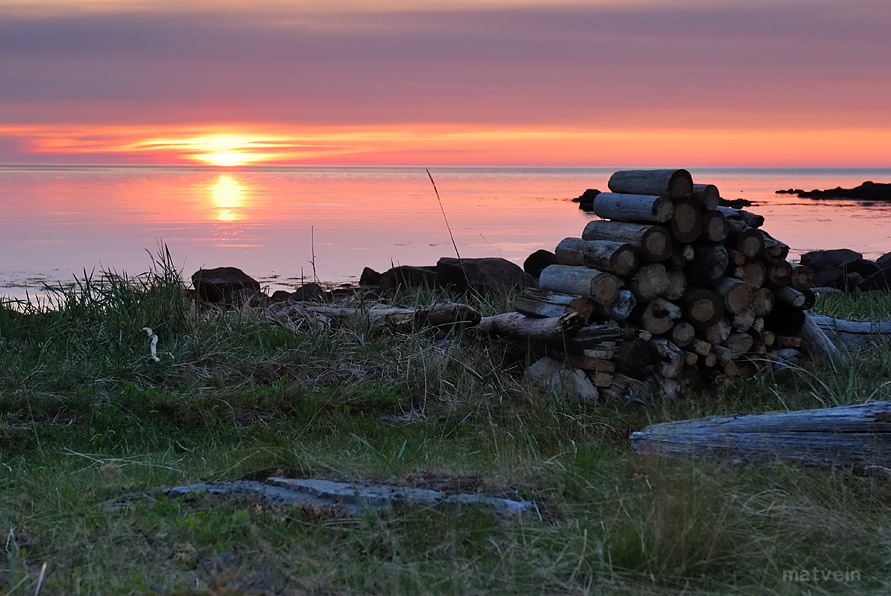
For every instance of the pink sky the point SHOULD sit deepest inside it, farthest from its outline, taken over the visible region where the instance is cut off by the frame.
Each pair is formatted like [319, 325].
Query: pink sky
[699, 82]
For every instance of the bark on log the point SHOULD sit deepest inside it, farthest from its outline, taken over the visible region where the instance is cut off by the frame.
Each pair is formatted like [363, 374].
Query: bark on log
[673, 358]
[515, 325]
[743, 320]
[753, 220]
[387, 317]
[686, 222]
[635, 355]
[774, 250]
[737, 295]
[853, 334]
[654, 242]
[617, 311]
[633, 208]
[714, 226]
[591, 337]
[649, 282]
[702, 308]
[671, 183]
[601, 287]
[605, 255]
[848, 436]
[533, 302]
[790, 296]
[816, 343]
[627, 390]
[706, 196]
[554, 376]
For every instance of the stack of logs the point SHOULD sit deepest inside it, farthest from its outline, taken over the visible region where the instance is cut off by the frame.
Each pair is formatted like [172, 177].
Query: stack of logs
[669, 290]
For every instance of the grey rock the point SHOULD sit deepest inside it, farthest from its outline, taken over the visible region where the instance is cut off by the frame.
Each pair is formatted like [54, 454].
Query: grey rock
[218, 285]
[484, 275]
[407, 276]
[307, 292]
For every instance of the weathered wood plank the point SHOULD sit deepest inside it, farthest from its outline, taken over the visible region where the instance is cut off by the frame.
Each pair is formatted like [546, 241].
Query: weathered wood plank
[847, 436]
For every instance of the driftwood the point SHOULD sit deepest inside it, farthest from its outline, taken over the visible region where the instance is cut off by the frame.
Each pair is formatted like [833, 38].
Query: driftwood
[380, 317]
[653, 241]
[633, 207]
[848, 436]
[515, 325]
[853, 334]
[533, 302]
[706, 195]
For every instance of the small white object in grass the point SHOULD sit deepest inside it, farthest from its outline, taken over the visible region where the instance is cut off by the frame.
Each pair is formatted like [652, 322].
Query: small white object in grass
[154, 344]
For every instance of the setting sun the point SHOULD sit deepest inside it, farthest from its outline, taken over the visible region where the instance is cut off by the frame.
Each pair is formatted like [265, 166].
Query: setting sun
[217, 150]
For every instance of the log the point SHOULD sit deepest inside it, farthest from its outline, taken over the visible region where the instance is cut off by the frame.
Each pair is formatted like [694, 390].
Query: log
[683, 334]
[672, 357]
[774, 250]
[790, 296]
[714, 226]
[854, 437]
[810, 299]
[737, 295]
[702, 308]
[671, 183]
[617, 311]
[853, 334]
[677, 285]
[706, 196]
[613, 257]
[649, 282]
[779, 273]
[815, 342]
[802, 278]
[554, 376]
[533, 302]
[380, 317]
[753, 273]
[719, 332]
[753, 220]
[788, 341]
[709, 264]
[633, 207]
[602, 379]
[635, 355]
[736, 258]
[627, 390]
[743, 320]
[785, 319]
[590, 337]
[587, 363]
[739, 369]
[739, 344]
[763, 302]
[703, 348]
[722, 353]
[601, 287]
[659, 316]
[515, 325]
[654, 242]
[758, 324]
[748, 241]
[686, 222]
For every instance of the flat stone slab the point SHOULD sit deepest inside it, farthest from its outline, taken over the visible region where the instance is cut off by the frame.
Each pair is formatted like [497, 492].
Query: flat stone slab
[353, 497]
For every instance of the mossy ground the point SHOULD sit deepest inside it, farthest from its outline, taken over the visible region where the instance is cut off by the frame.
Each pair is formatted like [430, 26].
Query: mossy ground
[92, 432]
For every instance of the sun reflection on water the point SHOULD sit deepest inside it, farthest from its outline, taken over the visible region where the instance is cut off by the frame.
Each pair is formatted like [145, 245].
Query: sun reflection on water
[228, 196]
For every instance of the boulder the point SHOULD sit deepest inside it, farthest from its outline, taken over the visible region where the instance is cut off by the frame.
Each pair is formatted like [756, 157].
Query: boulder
[219, 285]
[280, 296]
[834, 268]
[248, 297]
[537, 261]
[586, 201]
[369, 277]
[838, 257]
[880, 280]
[884, 261]
[484, 275]
[306, 293]
[408, 276]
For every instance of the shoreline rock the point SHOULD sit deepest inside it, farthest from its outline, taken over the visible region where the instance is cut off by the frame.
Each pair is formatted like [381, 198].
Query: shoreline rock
[868, 191]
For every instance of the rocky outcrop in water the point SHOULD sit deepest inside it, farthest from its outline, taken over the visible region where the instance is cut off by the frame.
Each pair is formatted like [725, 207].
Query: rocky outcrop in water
[868, 191]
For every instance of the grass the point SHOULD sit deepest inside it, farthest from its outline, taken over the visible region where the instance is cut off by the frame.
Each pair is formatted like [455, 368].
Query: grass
[92, 431]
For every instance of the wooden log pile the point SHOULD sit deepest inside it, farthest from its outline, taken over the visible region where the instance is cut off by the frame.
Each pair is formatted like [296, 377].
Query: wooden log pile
[666, 291]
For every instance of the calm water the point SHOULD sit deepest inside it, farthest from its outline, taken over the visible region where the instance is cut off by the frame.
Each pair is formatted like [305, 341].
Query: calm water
[269, 221]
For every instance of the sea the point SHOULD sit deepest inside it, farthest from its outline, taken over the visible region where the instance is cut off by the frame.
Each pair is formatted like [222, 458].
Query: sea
[288, 225]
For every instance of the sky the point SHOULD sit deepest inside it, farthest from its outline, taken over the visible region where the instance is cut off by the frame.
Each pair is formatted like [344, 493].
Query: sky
[465, 82]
